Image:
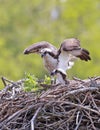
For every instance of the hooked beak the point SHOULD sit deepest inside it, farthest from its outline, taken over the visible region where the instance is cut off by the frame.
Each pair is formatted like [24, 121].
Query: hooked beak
[43, 54]
[53, 72]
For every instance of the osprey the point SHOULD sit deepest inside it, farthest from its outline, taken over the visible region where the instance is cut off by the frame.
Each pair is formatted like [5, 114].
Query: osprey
[49, 54]
[69, 51]
[47, 51]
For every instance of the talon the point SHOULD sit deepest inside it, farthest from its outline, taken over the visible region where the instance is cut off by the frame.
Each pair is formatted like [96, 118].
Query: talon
[67, 82]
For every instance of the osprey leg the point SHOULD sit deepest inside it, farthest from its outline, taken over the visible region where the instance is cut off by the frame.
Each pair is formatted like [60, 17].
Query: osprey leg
[60, 77]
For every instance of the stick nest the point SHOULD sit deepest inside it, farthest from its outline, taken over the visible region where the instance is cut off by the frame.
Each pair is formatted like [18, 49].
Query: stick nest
[72, 107]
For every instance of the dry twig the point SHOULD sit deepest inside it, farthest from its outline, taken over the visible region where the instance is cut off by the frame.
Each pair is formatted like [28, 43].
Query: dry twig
[34, 118]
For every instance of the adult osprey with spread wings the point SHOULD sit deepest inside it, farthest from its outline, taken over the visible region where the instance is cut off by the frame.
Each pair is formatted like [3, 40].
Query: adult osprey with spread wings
[58, 61]
[69, 51]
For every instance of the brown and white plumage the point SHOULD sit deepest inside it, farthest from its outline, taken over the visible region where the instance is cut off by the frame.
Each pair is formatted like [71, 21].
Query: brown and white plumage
[69, 51]
[47, 52]
[57, 62]
[72, 46]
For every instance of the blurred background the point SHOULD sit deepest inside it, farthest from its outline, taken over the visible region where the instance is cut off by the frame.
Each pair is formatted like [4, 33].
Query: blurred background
[25, 22]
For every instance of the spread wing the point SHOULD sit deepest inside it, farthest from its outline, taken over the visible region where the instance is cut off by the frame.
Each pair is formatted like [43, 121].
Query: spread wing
[72, 46]
[37, 47]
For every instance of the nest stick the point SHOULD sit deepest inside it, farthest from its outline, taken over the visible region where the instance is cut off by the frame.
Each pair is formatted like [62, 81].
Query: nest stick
[34, 117]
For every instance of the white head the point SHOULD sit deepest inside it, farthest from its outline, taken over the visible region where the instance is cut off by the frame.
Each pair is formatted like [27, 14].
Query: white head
[45, 51]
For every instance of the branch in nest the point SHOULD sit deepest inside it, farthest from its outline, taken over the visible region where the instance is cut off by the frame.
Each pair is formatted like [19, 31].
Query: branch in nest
[79, 106]
[18, 113]
[81, 90]
[77, 79]
[33, 118]
[78, 123]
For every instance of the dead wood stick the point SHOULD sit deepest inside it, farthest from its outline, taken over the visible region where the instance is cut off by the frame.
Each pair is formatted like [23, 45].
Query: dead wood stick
[57, 123]
[94, 102]
[77, 79]
[92, 123]
[96, 78]
[77, 117]
[84, 107]
[9, 81]
[34, 117]
[3, 80]
[18, 113]
[79, 106]
[85, 89]
[76, 128]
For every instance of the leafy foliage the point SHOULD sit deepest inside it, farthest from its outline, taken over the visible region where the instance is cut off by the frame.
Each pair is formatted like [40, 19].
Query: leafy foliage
[31, 82]
[25, 22]
[47, 80]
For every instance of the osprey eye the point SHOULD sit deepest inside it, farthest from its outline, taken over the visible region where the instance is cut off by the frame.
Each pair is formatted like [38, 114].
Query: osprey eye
[43, 54]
